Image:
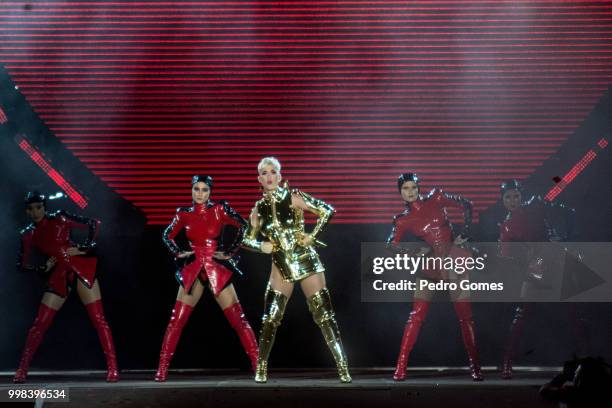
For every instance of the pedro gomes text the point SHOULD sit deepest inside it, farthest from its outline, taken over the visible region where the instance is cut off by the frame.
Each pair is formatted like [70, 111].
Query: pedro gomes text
[411, 264]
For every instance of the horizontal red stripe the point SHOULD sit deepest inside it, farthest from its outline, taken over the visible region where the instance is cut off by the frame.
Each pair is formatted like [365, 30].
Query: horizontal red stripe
[592, 37]
[287, 18]
[359, 24]
[448, 158]
[490, 165]
[171, 15]
[387, 147]
[297, 81]
[280, 67]
[227, 186]
[330, 111]
[190, 7]
[393, 169]
[291, 40]
[330, 122]
[107, 3]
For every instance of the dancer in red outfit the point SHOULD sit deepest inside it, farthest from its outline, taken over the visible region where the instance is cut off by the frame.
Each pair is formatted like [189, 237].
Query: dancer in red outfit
[66, 267]
[425, 218]
[530, 221]
[203, 224]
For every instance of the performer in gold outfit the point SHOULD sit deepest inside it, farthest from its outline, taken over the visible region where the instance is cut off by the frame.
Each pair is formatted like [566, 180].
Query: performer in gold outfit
[279, 217]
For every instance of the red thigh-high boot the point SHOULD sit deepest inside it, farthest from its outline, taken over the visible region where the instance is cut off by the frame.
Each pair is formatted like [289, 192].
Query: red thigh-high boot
[180, 315]
[35, 335]
[235, 316]
[411, 332]
[96, 315]
[514, 338]
[463, 308]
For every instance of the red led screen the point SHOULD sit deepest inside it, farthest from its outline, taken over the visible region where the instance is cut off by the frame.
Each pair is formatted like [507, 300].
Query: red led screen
[347, 94]
[51, 172]
[575, 171]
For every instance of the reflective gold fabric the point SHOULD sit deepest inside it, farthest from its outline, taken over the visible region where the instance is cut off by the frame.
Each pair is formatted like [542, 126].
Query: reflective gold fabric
[274, 309]
[283, 225]
[322, 311]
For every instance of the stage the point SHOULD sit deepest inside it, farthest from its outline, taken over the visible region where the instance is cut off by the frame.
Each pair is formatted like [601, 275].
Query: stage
[424, 387]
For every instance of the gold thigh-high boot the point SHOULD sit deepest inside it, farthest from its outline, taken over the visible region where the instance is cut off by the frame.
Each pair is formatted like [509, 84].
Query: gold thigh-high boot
[274, 308]
[322, 311]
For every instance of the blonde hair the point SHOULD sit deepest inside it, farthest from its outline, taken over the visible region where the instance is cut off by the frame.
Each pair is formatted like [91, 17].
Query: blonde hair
[269, 161]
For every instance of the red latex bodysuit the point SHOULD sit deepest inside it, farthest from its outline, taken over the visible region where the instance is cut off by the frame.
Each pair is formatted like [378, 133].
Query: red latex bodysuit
[525, 224]
[203, 224]
[51, 236]
[530, 223]
[426, 219]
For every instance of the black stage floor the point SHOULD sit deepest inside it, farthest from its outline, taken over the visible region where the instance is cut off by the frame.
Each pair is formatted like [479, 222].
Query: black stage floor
[430, 387]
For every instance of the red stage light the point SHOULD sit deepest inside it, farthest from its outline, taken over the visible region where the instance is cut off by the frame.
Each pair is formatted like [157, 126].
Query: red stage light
[3, 117]
[574, 172]
[51, 172]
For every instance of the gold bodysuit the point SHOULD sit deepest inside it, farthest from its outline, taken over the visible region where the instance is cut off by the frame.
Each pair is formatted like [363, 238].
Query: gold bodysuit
[283, 226]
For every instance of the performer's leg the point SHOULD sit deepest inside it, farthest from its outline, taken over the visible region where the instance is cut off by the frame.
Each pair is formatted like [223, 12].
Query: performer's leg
[580, 328]
[320, 306]
[180, 315]
[229, 303]
[420, 305]
[49, 306]
[463, 308]
[277, 295]
[514, 338]
[92, 299]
